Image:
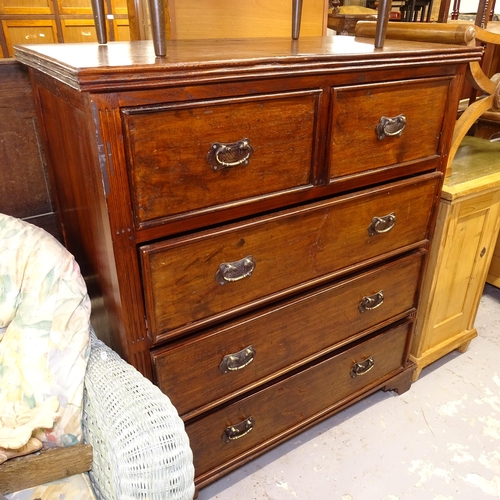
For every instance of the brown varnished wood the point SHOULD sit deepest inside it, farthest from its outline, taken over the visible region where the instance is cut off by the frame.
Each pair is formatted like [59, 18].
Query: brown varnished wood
[168, 148]
[390, 100]
[115, 66]
[24, 186]
[179, 275]
[126, 138]
[285, 405]
[330, 316]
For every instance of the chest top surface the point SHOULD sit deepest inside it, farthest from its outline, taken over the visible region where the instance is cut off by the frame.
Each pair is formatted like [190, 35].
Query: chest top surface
[134, 64]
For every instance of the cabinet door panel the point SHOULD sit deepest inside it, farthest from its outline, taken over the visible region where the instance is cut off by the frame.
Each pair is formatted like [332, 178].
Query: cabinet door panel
[26, 7]
[28, 32]
[79, 30]
[471, 229]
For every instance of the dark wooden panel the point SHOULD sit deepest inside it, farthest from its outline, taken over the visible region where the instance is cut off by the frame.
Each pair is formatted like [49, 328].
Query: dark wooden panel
[290, 250]
[419, 139]
[331, 316]
[182, 159]
[304, 396]
[24, 189]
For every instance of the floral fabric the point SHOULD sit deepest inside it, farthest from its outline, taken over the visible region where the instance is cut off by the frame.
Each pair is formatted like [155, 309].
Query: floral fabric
[44, 328]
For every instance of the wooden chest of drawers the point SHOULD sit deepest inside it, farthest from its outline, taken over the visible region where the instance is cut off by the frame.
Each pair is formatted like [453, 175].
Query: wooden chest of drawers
[253, 217]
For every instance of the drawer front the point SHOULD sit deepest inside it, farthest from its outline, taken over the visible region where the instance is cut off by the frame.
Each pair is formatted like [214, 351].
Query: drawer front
[204, 276]
[228, 360]
[358, 111]
[190, 157]
[278, 409]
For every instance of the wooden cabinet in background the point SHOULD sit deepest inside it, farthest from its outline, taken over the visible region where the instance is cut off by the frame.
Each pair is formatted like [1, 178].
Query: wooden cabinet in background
[57, 21]
[464, 242]
[494, 272]
[241, 18]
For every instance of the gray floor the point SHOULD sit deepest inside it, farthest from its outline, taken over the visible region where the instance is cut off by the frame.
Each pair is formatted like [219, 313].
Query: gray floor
[438, 441]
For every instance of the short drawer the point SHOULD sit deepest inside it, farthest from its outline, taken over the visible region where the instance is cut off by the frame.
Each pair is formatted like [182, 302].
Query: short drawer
[250, 351]
[189, 157]
[193, 280]
[362, 139]
[255, 421]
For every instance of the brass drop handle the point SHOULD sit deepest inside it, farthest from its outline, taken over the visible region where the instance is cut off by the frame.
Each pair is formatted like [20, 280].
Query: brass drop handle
[362, 367]
[229, 155]
[380, 225]
[237, 360]
[234, 432]
[390, 127]
[370, 302]
[235, 271]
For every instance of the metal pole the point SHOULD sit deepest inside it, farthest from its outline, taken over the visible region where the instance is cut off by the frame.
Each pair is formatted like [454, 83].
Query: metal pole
[158, 26]
[296, 17]
[99, 20]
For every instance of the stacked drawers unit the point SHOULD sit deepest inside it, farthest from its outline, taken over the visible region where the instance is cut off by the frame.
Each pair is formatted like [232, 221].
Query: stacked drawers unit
[256, 222]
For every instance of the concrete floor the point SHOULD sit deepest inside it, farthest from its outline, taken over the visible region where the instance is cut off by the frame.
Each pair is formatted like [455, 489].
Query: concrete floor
[438, 441]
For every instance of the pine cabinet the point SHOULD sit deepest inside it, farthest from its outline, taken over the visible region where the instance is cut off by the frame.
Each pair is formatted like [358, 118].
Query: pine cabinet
[463, 247]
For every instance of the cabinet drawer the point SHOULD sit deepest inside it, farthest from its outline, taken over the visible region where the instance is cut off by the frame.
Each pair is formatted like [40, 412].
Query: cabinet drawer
[201, 277]
[357, 111]
[228, 360]
[273, 412]
[204, 155]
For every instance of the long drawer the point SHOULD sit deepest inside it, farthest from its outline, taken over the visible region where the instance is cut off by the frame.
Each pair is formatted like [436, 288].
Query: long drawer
[187, 157]
[390, 122]
[272, 413]
[230, 359]
[203, 276]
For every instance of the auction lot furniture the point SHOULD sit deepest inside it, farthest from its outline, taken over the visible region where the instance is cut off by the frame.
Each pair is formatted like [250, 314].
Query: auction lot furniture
[255, 215]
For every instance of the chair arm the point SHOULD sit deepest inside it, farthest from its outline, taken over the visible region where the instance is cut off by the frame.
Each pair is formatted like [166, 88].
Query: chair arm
[140, 446]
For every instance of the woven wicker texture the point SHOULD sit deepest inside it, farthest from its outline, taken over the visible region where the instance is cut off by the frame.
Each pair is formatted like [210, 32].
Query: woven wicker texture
[141, 449]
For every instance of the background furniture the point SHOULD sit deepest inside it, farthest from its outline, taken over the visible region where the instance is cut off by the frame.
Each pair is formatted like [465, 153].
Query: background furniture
[24, 186]
[57, 21]
[343, 19]
[494, 271]
[140, 448]
[416, 10]
[213, 188]
[468, 221]
[138, 442]
[139, 445]
[466, 232]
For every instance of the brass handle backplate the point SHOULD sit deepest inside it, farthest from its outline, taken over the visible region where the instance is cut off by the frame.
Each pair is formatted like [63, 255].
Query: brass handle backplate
[237, 360]
[237, 431]
[235, 271]
[229, 155]
[362, 367]
[390, 127]
[370, 302]
[380, 225]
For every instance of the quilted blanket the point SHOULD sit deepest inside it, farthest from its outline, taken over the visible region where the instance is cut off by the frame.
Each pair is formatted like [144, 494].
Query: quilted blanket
[44, 338]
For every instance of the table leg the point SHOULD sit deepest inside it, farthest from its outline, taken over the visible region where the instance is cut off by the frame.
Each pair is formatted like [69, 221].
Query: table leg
[383, 12]
[99, 20]
[296, 17]
[158, 26]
